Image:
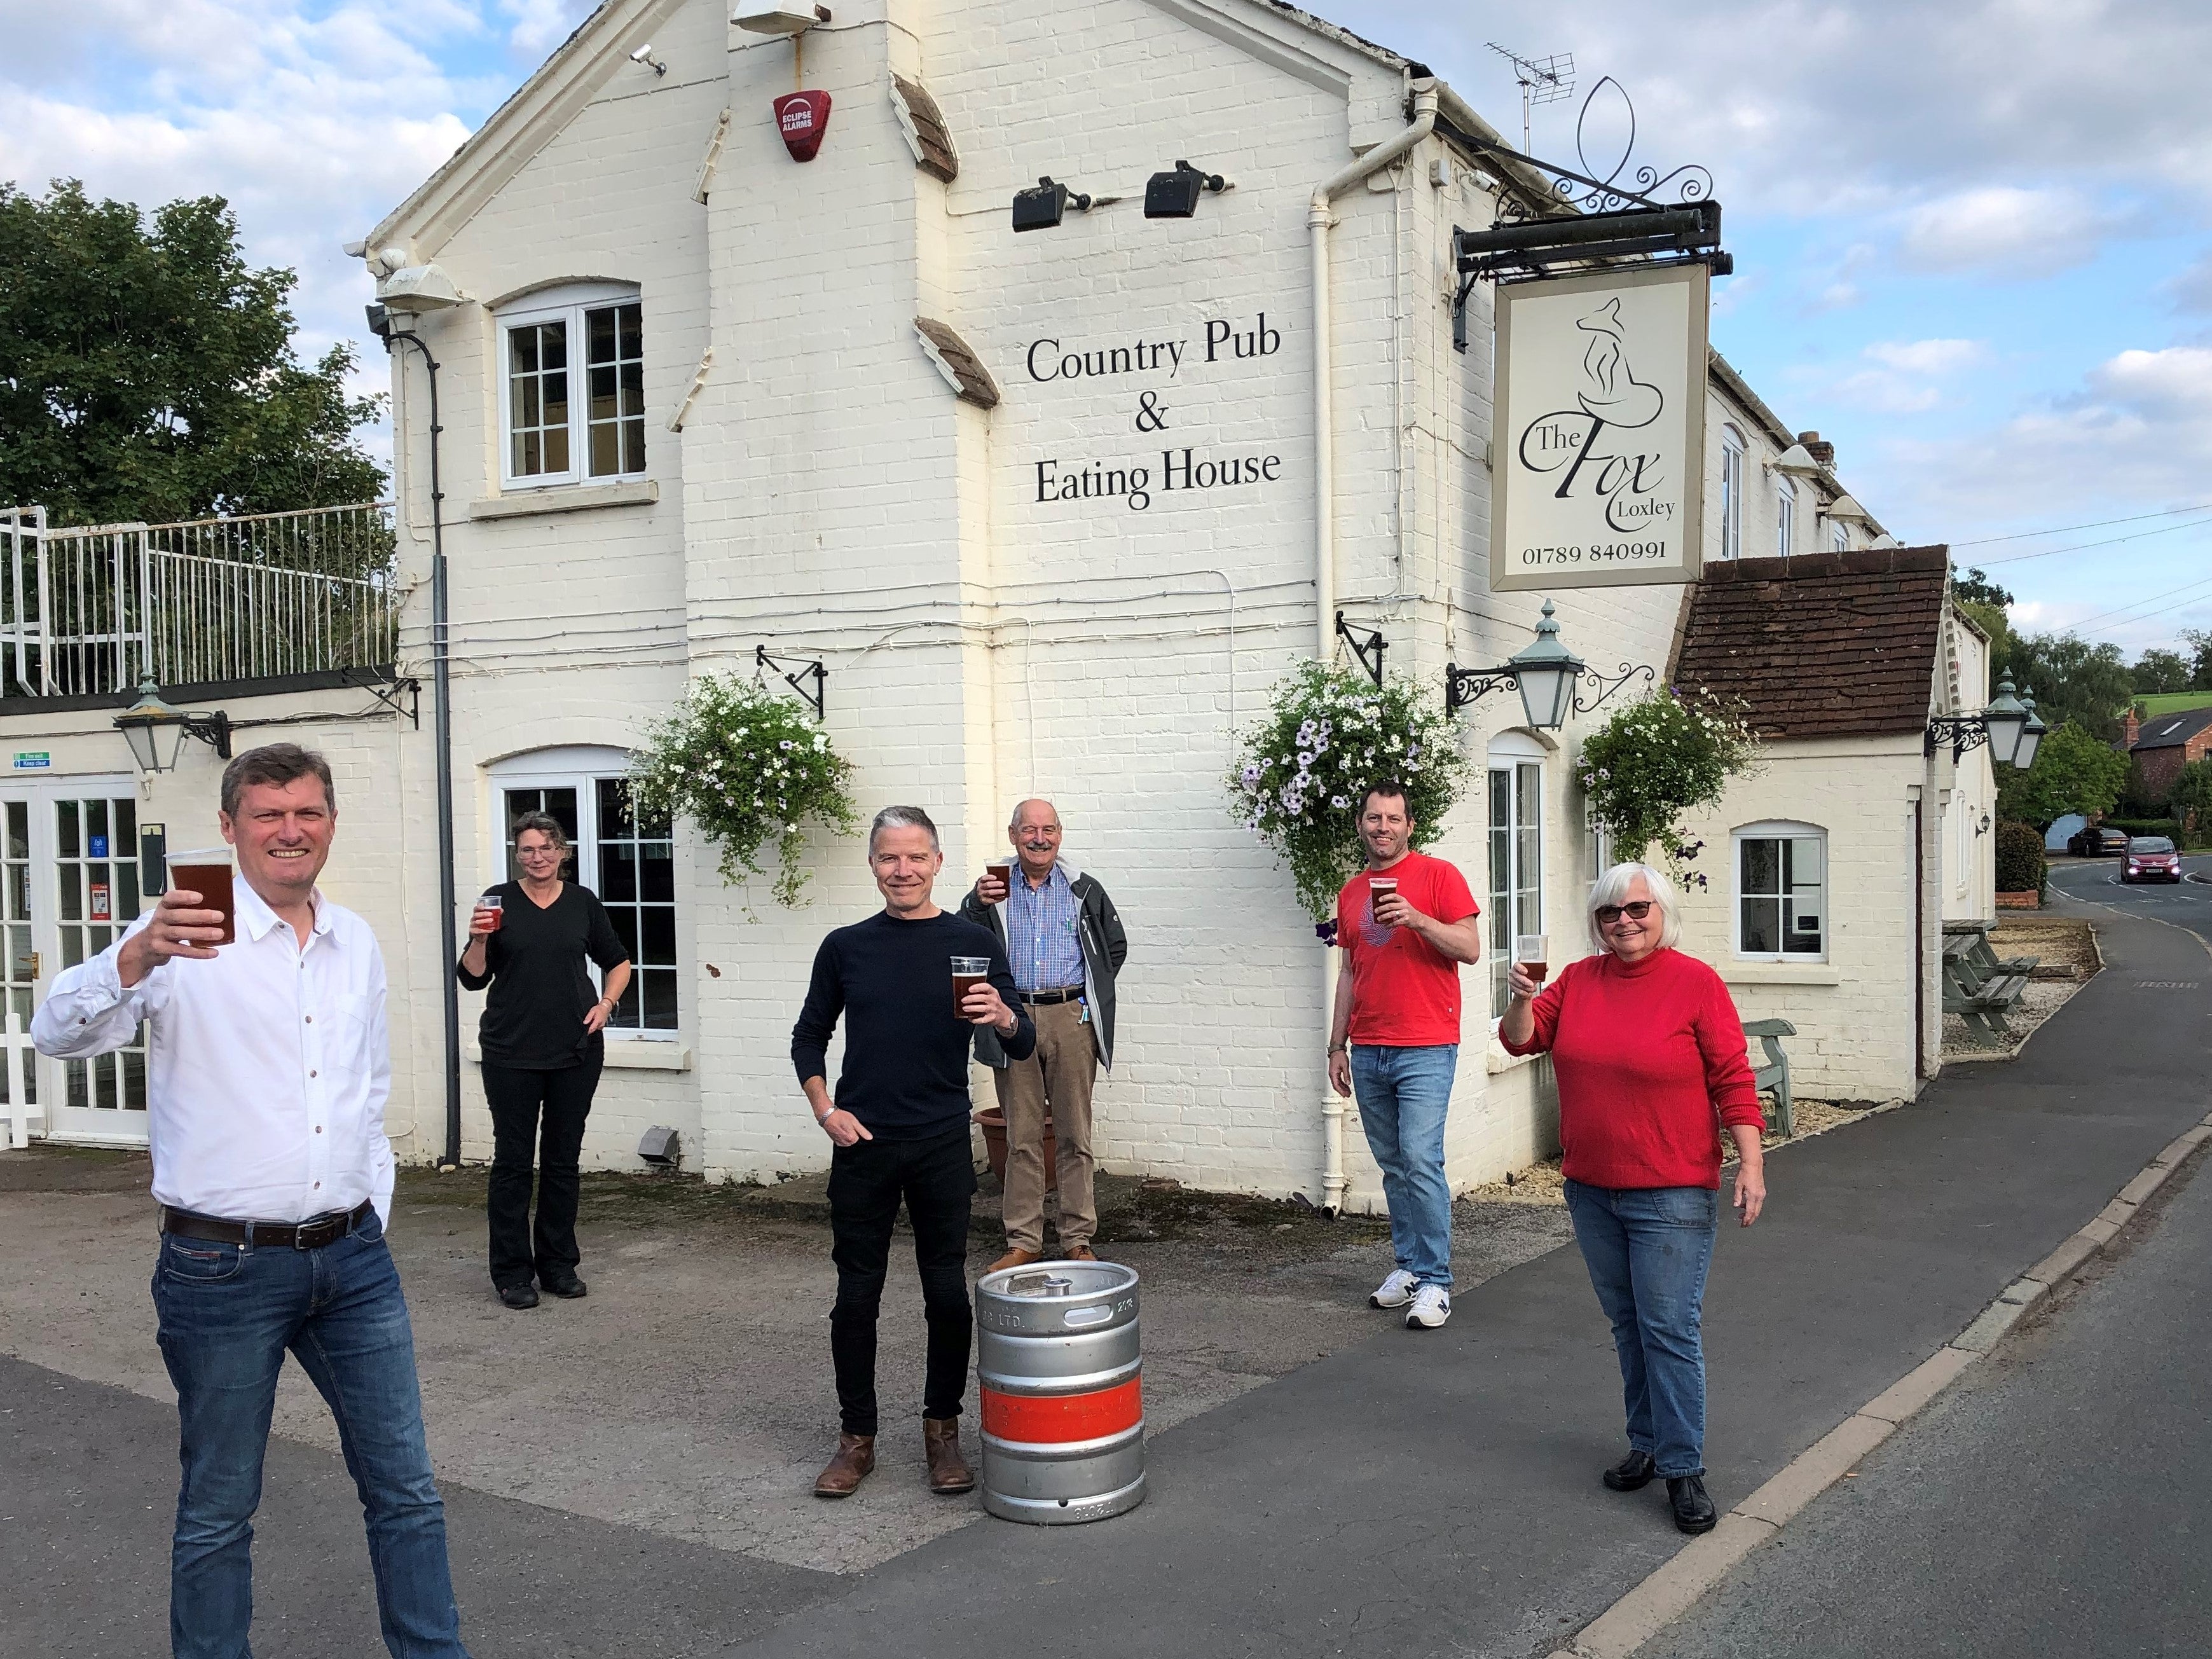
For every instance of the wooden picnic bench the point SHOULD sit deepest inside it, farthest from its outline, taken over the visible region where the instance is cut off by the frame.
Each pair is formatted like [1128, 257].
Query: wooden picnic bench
[1774, 1076]
[1984, 953]
[1980, 988]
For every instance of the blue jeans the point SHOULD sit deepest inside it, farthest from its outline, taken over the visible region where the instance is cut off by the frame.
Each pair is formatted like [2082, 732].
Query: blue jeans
[1403, 1095]
[228, 1314]
[1647, 1249]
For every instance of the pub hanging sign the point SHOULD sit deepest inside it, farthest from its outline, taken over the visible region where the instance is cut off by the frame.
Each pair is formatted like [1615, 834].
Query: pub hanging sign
[1597, 463]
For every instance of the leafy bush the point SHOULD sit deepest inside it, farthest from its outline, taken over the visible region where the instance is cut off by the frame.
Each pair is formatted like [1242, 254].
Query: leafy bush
[747, 766]
[2191, 798]
[2074, 771]
[1656, 759]
[2020, 858]
[2144, 826]
[1330, 732]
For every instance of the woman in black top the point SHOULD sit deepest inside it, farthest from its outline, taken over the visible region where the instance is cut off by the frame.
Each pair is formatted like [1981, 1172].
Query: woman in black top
[542, 1051]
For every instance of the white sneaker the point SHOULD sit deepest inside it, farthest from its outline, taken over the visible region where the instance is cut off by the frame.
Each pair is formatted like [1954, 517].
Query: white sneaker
[1394, 1291]
[1431, 1307]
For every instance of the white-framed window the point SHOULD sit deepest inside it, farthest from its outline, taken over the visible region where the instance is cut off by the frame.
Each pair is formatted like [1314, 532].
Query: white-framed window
[1840, 537]
[572, 386]
[628, 861]
[1515, 784]
[1781, 892]
[1732, 465]
[1785, 517]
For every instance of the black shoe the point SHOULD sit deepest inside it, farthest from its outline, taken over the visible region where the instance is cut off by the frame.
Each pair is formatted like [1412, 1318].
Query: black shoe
[518, 1296]
[1693, 1510]
[1633, 1473]
[571, 1287]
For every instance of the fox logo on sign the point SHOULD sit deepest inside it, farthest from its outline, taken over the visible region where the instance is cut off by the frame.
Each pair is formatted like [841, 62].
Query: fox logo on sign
[802, 117]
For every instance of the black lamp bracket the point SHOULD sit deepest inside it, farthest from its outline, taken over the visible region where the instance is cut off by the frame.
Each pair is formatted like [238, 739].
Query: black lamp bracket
[1463, 686]
[1961, 731]
[1605, 687]
[1368, 650]
[213, 730]
[389, 692]
[809, 679]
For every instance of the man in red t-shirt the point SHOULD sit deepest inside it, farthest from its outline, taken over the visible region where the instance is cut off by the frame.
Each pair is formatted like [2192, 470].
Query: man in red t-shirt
[1394, 1037]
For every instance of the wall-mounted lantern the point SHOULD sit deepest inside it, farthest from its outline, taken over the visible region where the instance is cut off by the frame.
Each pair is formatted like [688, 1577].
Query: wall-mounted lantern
[1042, 206]
[1174, 194]
[2006, 726]
[1544, 672]
[156, 730]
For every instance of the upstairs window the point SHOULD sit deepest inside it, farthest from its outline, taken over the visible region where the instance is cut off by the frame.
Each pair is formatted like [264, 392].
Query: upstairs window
[1785, 518]
[1732, 462]
[1840, 537]
[572, 398]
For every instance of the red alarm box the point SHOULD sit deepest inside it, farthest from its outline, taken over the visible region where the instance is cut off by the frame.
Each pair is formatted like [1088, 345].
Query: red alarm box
[802, 117]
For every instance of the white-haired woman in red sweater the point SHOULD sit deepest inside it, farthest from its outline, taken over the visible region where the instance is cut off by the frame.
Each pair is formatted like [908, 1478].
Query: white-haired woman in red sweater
[1648, 1051]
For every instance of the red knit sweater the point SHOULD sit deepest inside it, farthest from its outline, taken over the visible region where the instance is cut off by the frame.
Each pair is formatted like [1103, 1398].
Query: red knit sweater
[1646, 1054]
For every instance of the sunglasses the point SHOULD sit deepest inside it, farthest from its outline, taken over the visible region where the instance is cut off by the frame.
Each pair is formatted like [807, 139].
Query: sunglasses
[1635, 911]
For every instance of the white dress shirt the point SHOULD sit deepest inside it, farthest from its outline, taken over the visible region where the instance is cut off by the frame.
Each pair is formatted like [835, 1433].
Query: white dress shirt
[268, 1067]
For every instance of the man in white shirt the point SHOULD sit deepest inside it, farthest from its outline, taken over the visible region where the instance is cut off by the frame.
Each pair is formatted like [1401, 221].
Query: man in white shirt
[269, 1064]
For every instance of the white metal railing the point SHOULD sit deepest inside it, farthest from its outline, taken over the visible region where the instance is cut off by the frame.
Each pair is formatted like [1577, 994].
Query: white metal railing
[95, 609]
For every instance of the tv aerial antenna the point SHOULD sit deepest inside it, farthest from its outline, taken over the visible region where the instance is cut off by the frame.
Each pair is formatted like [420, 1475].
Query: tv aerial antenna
[1543, 81]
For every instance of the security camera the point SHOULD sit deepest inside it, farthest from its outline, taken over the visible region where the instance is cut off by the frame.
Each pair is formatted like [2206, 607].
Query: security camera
[644, 55]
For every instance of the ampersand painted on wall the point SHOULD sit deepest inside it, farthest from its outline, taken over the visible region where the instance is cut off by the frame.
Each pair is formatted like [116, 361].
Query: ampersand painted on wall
[1151, 417]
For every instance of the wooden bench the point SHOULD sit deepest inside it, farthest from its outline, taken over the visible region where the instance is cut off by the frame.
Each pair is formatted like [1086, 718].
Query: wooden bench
[1774, 1076]
[1978, 948]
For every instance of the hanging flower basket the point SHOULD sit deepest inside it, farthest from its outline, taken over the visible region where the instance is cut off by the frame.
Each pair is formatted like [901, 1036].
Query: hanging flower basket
[1329, 734]
[748, 766]
[1655, 760]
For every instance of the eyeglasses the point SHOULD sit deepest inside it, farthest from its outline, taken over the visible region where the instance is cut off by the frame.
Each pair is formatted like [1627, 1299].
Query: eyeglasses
[1636, 911]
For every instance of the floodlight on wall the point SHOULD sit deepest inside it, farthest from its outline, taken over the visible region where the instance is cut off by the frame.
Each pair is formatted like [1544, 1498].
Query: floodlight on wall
[1544, 672]
[417, 289]
[1174, 194]
[779, 20]
[1043, 206]
[156, 730]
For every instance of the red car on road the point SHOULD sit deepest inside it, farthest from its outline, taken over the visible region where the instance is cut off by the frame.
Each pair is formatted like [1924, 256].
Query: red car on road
[2151, 858]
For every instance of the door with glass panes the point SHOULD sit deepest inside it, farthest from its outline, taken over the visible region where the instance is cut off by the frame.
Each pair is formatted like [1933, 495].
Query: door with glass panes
[68, 885]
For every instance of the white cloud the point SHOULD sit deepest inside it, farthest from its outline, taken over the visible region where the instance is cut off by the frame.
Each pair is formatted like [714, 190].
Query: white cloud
[1928, 357]
[542, 25]
[2005, 231]
[1899, 377]
[2193, 289]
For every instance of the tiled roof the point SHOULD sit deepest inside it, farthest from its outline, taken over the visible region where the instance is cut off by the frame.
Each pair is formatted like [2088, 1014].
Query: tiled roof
[2172, 730]
[1820, 645]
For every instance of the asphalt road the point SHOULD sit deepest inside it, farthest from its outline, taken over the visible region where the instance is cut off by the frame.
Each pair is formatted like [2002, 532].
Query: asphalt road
[2056, 1501]
[2186, 903]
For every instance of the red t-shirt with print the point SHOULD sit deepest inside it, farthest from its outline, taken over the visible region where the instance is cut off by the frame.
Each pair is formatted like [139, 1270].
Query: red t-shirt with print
[1405, 992]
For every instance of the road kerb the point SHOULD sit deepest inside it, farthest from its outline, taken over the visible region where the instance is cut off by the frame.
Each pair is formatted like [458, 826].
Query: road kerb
[1700, 1565]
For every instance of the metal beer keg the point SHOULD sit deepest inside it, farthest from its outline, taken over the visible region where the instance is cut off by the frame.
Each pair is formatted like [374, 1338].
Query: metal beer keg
[1061, 1373]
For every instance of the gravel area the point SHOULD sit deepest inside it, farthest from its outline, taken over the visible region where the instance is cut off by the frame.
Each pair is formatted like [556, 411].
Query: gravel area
[2066, 957]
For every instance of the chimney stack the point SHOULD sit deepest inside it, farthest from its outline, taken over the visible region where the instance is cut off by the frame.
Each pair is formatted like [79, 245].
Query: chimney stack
[1824, 453]
[2130, 725]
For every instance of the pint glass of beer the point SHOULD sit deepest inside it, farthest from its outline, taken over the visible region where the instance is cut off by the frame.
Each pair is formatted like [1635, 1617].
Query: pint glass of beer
[1529, 955]
[492, 909]
[208, 872]
[968, 973]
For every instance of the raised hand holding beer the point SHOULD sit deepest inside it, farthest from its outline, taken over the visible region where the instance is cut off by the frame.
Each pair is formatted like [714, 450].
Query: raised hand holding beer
[181, 926]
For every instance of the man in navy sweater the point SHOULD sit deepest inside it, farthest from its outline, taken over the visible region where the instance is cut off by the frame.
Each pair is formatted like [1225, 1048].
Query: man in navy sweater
[900, 1120]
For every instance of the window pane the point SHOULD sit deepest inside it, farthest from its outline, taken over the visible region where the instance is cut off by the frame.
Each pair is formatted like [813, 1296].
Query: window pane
[68, 844]
[618, 873]
[614, 809]
[1762, 925]
[659, 998]
[557, 445]
[658, 944]
[553, 344]
[625, 917]
[633, 446]
[601, 325]
[606, 449]
[18, 830]
[604, 406]
[1761, 862]
[657, 872]
[522, 351]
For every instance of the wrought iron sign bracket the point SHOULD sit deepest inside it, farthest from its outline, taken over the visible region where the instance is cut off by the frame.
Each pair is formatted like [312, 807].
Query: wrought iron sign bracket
[213, 730]
[1605, 687]
[389, 692]
[1961, 731]
[1368, 650]
[809, 679]
[1463, 686]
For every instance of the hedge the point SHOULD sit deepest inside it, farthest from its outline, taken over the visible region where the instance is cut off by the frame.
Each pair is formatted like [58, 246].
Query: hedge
[2171, 827]
[2020, 858]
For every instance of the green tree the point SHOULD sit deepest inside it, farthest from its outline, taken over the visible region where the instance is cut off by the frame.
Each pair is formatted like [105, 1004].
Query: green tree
[1977, 588]
[2199, 641]
[2074, 771]
[1983, 601]
[2158, 670]
[2191, 798]
[146, 372]
[2073, 681]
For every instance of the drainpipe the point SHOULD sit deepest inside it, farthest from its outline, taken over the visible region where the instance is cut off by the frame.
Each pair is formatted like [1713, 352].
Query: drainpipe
[1319, 218]
[441, 703]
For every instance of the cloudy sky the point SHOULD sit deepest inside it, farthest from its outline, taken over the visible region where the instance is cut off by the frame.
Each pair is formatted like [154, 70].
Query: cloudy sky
[1973, 240]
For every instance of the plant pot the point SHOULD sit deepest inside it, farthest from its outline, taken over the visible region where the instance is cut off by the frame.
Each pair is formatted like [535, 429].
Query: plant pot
[2030, 900]
[993, 1122]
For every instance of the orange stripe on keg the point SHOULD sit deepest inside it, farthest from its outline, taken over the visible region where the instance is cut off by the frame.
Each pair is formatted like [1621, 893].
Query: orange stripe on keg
[1053, 1420]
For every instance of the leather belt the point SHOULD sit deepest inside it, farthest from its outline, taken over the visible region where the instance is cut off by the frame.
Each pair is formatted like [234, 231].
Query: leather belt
[309, 1235]
[1067, 994]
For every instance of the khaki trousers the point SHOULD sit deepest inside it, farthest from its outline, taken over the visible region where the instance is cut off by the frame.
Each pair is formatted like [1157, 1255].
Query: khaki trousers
[1057, 1078]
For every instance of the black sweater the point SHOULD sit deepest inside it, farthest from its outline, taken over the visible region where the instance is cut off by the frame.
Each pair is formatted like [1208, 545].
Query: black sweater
[905, 1050]
[534, 1017]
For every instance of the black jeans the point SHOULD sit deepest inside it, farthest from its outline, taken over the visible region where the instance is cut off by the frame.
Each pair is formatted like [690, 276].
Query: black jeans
[867, 1181]
[517, 1098]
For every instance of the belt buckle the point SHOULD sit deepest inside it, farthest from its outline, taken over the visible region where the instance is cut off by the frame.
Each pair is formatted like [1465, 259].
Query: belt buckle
[313, 1235]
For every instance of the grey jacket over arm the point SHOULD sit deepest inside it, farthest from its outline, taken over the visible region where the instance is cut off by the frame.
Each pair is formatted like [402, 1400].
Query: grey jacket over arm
[1105, 948]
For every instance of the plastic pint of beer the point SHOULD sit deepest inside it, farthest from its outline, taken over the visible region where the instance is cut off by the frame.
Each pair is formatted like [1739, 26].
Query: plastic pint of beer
[968, 973]
[1529, 954]
[208, 872]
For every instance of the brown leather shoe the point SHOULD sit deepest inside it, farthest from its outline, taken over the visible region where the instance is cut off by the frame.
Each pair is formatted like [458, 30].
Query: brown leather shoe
[1015, 1259]
[856, 1458]
[948, 1471]
[1081, 1252]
